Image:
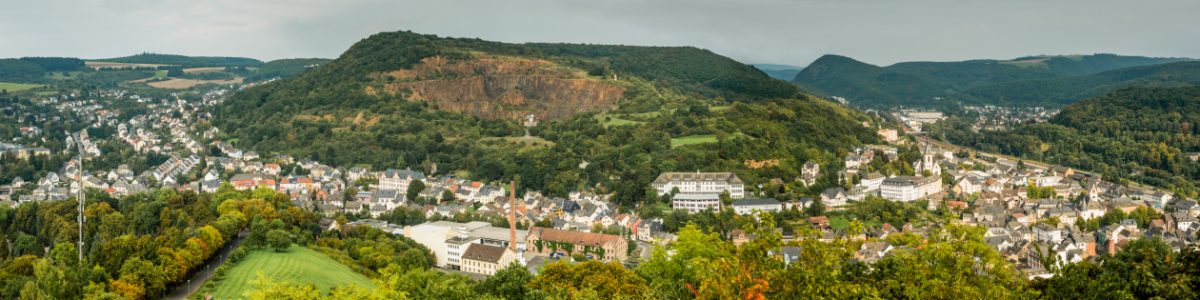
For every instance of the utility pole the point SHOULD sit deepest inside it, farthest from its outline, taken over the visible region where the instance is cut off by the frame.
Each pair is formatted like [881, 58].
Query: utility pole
[79, 197]
[81, 219]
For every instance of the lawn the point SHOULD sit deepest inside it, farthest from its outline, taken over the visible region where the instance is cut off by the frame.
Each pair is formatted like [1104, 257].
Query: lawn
[13, 87]
[693, 139]
[298, 265]
[839, 222]
[614, 120]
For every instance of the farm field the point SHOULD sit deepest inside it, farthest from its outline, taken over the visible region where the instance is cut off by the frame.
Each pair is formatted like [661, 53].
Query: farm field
[298, 265]
[59, 76]
[177, 83]
[97, 65]
[13, 87]
[693, 139]
[203, 70]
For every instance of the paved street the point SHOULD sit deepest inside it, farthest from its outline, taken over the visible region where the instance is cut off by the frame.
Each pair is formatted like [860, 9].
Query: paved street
[219, 259]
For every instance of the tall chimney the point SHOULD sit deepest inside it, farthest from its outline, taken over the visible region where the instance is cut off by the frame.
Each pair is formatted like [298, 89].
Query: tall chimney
[512, 219]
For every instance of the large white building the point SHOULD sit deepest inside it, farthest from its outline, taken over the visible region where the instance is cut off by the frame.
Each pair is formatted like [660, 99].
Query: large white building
[694, 203]
[748, 206]
[909, 188]
[700, 183]
[872, 181]
[398, 180]
[449, 240]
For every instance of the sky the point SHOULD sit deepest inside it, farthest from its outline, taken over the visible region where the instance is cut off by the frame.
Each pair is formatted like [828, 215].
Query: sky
[787, 32]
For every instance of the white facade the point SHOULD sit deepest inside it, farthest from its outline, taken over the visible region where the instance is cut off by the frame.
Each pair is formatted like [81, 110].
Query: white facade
[398, 180]
[696, 202]
[748, 206]
[700, 183]
[909, 188]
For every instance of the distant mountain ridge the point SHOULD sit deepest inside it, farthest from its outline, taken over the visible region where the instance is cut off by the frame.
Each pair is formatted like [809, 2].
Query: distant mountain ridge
[781, 72]
[1019, 82]
[182, 60]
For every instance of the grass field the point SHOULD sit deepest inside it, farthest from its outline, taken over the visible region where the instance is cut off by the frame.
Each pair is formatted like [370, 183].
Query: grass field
[13, 87]
[59, 76]
[693, 139]
[298, 265]
[839, 222]
[614, 120]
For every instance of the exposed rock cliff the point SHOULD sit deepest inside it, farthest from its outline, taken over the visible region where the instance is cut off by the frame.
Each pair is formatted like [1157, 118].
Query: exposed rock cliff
[492, 88]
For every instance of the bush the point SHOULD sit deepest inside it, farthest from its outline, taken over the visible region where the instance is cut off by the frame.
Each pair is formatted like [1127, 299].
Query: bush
[237, 255]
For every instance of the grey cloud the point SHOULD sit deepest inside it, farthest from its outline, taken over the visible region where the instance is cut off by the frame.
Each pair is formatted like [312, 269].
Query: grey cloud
[755, 31]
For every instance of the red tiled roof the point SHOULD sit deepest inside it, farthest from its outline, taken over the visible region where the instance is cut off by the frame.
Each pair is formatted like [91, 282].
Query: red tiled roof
[575, 237]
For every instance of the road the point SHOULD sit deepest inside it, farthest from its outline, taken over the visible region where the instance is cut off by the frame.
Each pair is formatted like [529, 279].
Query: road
[925, 138]
[214, 262]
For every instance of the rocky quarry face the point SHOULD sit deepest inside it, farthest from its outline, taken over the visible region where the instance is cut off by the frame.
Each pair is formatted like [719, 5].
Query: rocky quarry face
[493, 88]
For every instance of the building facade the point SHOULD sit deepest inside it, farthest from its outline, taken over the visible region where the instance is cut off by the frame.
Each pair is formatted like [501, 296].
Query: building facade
[398, 180]
[694, 203]
[603, 247]
[748, 206]
[909, 188]
[484, 259]
[700, 183]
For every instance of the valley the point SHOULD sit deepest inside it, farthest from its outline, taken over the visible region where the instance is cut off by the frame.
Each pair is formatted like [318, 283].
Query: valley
[431, 167]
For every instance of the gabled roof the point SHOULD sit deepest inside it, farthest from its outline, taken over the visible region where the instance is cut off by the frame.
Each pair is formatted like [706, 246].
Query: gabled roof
[480, 252]
[575, 237]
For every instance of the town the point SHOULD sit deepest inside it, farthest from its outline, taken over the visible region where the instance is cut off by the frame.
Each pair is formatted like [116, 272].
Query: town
[1030, 211]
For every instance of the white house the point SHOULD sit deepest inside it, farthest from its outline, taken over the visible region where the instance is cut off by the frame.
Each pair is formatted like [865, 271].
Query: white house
[748, 206]
[700, 183]
[909, 188]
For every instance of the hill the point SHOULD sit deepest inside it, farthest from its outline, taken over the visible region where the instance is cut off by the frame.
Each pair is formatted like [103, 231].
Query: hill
[1134, 129]
[20, 71]
[499, 80]
[1065, 90]
[865, 83]
[1043, 80]
[284, 68]
[781, 72]
[405, 100]
[184, 61]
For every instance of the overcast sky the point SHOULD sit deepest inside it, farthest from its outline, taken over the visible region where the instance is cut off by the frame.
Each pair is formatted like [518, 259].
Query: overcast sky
[793, 32]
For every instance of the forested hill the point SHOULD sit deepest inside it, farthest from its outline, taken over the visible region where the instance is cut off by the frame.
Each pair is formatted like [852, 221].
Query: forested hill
[187, 61]
[501, 80]
[1065, 90]
[864, 83]
[1148, 130]
[284, 68]
[1048, 81]
[405, 100]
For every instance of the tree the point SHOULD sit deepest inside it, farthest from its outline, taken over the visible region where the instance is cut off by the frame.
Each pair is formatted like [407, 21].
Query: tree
[258, 233]
[816, 208]
[65, 254]
[415, 188]
[447, 196]
[413, 259]
[603, 280]
[511, 282]
[279, 239]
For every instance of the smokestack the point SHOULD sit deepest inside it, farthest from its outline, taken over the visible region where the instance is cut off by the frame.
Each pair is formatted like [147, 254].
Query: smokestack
[512, 219]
